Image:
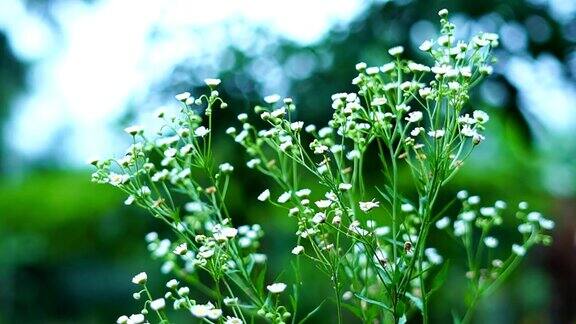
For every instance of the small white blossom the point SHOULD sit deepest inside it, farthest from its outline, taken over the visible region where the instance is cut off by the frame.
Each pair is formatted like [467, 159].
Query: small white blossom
[414, 116]
[443, 222]
[271, 99]
[439, 133]
[284, 197]
[345, 186]
[134, 130]
[173, 283]
[426, 45]
[276, 288]
[480, 116]
[201, 131]
[181, 249]
[212, 82]
[158, 304]
[396, 50]
[136, 319]
[226, 167]
[140, 278]
[298, 250]
[518, 249]
[491, 242]
[182, 96]
[264, 195]
[366, 206]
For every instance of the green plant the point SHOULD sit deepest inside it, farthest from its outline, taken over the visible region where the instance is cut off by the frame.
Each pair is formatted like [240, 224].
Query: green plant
[370, 241]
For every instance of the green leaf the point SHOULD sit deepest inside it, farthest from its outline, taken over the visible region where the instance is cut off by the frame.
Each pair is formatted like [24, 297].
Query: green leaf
[402, 320]
[439, 279]
[374, 302]
[415, 300]
[455, 318]
[314, 311]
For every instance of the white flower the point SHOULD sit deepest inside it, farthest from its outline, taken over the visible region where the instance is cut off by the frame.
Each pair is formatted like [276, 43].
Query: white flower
[134, 130]
[474, 200]
[414, 116]
[468, 131]
[122, 319]
[387, 67]
[433, 256]
[436, 133]
[488, 211]
[462, 194]
[171, 152]
[182, 96]
[271, 99]
[366, 206]
[284, 197]
[361, 66]
[546, 223]
[253, 163]
[140, 278]
[426, 45]
[372, 70]
[226, 167]
[310, 128]
[303, 192]
[491, 242]
[518, 249]
[201, 131]
[212, 82]
[298, 250]
[229, 232]
[129, 200]
[500, 204]
[241, 136]
[233, 320]
[396, 50]
[443, 222]
[181, 249]
[276, 288]
[407, 208]
[468, 216]
[158, 304]
[345, 186]
[183, 291]
[459, 228]
[173, 283]
[296, 126]
[116, 179]
[534, 216]
[319, 218]
[354, 154]
[136, 319]
[200, 311]
[242, 117]
[323, 204]
[325, 131]
[264, 195]
[443, 13]
[480, 116]
[379, 101]
[525, 228]
[425, 92]
[214, 313]
[150, 237]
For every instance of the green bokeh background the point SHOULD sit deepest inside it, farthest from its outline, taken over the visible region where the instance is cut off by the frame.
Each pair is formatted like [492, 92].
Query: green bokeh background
[68, 248]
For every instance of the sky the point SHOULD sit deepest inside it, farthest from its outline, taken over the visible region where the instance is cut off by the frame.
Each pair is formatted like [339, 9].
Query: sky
[102, 56]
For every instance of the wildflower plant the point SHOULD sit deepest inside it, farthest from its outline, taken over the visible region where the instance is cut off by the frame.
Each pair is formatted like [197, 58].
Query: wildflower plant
[370, 240]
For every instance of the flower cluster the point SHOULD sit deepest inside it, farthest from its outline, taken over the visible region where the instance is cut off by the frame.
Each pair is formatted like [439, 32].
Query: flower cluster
[371, 241]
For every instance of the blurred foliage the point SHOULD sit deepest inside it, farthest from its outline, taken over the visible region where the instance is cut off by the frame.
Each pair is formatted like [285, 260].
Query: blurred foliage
[68, 248]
